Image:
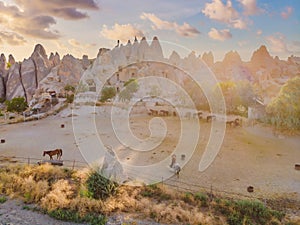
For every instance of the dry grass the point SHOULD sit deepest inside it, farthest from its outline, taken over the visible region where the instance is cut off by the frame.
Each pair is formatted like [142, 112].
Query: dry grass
[54, 188]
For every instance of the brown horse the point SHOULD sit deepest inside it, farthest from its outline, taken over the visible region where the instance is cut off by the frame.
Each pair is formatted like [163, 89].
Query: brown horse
[51, 153]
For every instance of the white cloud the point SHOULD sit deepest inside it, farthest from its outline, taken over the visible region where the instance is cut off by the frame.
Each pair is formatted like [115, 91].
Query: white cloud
[185, 30]
[259, 32]
[250, 7]
[287, 12]
[11, 38]
[220, 35]
[121, 32]
[224, 13]
[277, 43]
[74, 43]
[35, 18]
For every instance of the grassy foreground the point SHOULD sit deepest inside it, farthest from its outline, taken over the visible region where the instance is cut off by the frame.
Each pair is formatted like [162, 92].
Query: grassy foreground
[86, 196]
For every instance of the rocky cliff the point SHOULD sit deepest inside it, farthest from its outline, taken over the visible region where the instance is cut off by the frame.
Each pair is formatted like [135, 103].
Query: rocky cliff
[25, 78]
[38, 73]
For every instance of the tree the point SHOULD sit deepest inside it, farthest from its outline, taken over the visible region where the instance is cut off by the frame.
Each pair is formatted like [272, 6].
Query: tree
[69, 87]
[107, 93]
[131, 86]
[17, 104]
[284, 110]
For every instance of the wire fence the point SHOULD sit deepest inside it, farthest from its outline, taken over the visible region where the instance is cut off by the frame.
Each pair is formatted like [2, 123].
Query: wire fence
[73, 164]
[174, 182]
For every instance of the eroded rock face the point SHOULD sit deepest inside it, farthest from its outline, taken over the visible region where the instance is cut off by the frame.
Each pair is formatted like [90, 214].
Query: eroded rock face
[70, 70]
[14, 86]
[2, 87]
[41, 61]
[2, 63]
[29, 79]
[54, 59]
[208, 58]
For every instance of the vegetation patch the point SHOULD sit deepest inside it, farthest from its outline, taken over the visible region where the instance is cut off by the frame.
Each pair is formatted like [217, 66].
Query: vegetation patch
[88, 197]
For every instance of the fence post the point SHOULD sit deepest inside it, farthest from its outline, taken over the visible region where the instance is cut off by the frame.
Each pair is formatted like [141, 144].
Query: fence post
[211, 193]
[73, 164]
[28, 161]
[162, 181]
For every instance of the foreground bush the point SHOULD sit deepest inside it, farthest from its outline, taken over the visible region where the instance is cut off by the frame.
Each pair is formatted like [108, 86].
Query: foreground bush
[86, 196]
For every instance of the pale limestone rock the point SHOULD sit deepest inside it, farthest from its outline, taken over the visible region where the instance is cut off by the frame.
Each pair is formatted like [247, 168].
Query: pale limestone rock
[54, 59]
[14, 86]
[175, 59]
[70, 70]
[85, 62]
[155, 50]
[208, 58]
[2, 63]
[143, 50]
[11, 59]
[41, 61]
[2, 87]
[29, 79]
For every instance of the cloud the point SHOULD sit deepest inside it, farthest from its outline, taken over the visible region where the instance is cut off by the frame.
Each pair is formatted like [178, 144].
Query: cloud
[76, 44]
[250, 7]
[220, 35]
[277, 43]
[122, 32]
[36, 18]
[259, 32]
[224, 13]
[11, 38]
[67, 9]
[287, 12]
[185, 30]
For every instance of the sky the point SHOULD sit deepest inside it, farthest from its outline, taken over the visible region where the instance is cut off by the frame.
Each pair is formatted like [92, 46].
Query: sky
[81, 27]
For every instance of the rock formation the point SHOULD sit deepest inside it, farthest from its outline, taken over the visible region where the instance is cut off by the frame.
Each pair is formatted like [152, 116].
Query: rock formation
[39, 73]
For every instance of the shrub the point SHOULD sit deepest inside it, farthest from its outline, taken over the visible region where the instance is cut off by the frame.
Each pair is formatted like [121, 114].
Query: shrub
[17, 104]
[70, 98]
[203, 198]
[107, 93]
[284, 110]
[69, 87]
[2, 199]
[131, 86]
[69, 215]
[100, 187]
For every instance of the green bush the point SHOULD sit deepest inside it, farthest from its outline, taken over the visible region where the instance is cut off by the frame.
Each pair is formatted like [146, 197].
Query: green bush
[70, 98]
[107, 93]
[17, 104]
[284, 110]
[100, 187]
[131, 86]
[2, 199]
[69, 87]
[247, 212]
[70, 215]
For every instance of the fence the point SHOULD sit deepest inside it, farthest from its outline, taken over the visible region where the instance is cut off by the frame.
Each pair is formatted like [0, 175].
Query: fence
[73, 164]
[177, 184]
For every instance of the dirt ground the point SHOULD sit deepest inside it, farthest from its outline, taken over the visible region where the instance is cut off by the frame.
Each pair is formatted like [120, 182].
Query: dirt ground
[249, 156]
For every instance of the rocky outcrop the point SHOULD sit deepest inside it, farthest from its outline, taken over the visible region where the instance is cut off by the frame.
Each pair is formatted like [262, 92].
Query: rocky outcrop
[14, 86]
[70, 70]
[41, 62]
[208, 58]
[54, 60]
[2, 88]
[175, 59]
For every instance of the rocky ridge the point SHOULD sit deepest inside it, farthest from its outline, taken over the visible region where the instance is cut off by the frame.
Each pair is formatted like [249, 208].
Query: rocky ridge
[39, 74]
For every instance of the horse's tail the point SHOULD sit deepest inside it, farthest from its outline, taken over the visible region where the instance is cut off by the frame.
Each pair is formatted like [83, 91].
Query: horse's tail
[60, 150]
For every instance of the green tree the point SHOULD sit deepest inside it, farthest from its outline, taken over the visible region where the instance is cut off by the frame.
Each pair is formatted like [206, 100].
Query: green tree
[17, 104]
[69, 87]
[284, 110]
[130, 87]
[107, 93]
